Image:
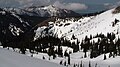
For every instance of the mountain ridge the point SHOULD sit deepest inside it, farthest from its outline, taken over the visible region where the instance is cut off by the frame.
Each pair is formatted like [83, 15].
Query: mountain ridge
[43, 11]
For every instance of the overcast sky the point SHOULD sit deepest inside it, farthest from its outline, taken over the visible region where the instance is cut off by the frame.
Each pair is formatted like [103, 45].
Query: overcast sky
[75, 5]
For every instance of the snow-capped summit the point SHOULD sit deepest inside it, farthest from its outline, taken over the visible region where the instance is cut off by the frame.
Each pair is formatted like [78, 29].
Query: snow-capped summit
[43, 11]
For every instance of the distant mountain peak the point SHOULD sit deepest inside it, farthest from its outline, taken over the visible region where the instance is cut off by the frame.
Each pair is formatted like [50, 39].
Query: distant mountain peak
[43, 11]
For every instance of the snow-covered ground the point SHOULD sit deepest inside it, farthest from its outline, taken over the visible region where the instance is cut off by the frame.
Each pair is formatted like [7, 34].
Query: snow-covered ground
[13, 59]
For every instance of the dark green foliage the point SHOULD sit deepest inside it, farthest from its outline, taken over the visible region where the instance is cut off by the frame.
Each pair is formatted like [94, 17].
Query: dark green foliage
[75, 47]
[49, 57]
[85, 55]
[65, 63]
[51, 51]
[60, 54]
[54, 56]
[73, 37]
[77, 65]
[105, 44]
[105, 57]
[61, 62]
[90, 36]
[74, 65]
[81, 64]
[110, 54]
[43, 57]
[69, 60]
[66, 54]
[89, 64]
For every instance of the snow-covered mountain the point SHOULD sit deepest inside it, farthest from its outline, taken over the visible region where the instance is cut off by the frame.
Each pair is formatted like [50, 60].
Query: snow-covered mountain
[54, 36]
[106, 22]
[10, 22]
[43, 11]
[15, 28]
[12, 27]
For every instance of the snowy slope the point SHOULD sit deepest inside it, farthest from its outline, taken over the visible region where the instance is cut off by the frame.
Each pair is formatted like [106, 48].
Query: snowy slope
[12, 59]
[112, 62]
[101, 23]
[77, 57]
[86, 26]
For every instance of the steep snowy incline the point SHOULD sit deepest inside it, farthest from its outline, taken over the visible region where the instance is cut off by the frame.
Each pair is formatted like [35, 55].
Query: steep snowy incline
[12, 59]
[104, 23]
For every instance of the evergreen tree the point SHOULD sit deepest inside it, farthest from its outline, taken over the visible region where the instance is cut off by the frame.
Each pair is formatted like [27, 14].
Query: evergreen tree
[65, 63]
[74, 65]
[110, 54]
[73, 37]
[54, 56]
[105, 57]
[43, 57]
[81, 64]
[85, 55]
[61, 62]
[60, 51]
[89, 64]
[51, 51]
[49, 57]
[90, 36]
[113, 56]
[66, 54]
[91, 54]
[78, 65]
[69, 59]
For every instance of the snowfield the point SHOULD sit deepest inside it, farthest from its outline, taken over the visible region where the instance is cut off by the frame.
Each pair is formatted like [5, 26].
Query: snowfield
[77, 57]
[8, 58]
[12, 59]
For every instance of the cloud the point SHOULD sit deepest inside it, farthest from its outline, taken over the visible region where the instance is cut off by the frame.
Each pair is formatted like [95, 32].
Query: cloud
[111, 5]
[70, 6]
[28, 3]
[57, 3]
[108, 5]
[22, 3]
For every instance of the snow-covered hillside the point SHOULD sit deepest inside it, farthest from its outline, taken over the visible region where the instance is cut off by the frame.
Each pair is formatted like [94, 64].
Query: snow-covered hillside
[77, 58]
[12, 59]
[86, 26]
[104, 23]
